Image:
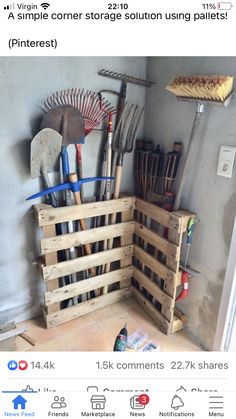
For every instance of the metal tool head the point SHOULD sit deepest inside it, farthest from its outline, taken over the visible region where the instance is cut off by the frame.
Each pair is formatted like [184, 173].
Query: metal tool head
[125, 133]
[125, 78]
[86, 101]
[45, 152]
[73, 186]
[66, 120]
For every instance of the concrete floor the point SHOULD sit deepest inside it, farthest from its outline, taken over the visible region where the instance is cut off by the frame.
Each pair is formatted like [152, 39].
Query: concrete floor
[97, 331]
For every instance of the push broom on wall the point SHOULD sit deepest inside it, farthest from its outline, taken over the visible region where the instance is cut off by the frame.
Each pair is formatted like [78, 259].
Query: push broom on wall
[202, 90]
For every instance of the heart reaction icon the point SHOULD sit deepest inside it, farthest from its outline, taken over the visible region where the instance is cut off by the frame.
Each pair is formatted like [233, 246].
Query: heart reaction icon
[22, 365]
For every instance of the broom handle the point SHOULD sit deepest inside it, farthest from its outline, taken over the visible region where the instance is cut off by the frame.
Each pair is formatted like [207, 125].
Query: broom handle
[196, 122]
[74, 178]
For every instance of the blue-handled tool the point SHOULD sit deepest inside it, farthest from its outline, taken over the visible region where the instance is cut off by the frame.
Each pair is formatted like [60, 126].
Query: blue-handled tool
[190, 230]
[73, 186]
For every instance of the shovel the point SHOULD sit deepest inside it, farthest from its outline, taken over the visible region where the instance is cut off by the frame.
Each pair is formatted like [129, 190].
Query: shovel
[69, 122]
[66, 120]
[45, 152]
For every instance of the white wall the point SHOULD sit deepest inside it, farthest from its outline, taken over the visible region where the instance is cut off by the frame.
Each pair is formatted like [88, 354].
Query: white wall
[24, 84]
[213, 198]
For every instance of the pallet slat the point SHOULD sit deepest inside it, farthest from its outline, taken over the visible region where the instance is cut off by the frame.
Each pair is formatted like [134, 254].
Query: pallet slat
[161, 216]
[77, 212]
[87, 307]
[125, 240]
[87, 285]
[157, 267]
[86, 262]
[155, 315]
[155, 291]
[79, 238]
[160, 243]
[51, 258]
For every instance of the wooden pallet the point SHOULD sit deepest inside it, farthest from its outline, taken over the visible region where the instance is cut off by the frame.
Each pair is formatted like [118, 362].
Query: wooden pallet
[156, 263]
[118, 279]
[139, 254]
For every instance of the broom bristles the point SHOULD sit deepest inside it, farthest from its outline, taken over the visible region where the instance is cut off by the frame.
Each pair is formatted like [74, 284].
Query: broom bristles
[216, 88]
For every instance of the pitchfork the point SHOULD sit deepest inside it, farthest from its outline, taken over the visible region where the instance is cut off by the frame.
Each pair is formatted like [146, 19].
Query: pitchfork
[123, 142]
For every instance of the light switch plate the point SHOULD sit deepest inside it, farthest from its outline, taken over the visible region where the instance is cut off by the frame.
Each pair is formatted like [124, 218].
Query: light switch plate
[226, 161]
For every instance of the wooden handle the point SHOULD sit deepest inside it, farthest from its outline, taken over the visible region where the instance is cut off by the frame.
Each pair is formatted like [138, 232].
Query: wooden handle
[117, 182]
[28, 338]
[73, 178]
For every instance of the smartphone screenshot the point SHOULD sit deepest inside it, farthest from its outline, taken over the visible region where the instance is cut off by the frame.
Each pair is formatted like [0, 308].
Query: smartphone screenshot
[118, 204]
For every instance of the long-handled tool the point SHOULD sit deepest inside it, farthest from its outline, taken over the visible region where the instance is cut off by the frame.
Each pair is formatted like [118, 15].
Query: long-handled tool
[87, 102]
[45, 156]
[171, 167]
[202, 90]
[74, 185]
[145, 167]
[167, 197]
[124, 138]
[137, 166]
[190, 231]
[155, 171]
[123, 142]
[108, 157]
[125, 79]
[148, 165]
[69, 122]
[187, 272]
[92, 108]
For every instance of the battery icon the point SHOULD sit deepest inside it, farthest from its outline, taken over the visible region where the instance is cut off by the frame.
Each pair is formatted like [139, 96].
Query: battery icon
[224, 5]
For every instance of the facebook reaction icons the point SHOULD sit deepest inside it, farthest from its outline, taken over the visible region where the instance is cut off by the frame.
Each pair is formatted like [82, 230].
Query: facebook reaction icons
[14, 365]
[58, 403]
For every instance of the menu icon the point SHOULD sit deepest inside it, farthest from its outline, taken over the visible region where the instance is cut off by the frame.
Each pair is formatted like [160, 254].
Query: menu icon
[216, 403]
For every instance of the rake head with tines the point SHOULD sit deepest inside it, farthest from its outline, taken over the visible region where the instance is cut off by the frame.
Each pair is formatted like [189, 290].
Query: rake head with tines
[87, 102]
[126, 130]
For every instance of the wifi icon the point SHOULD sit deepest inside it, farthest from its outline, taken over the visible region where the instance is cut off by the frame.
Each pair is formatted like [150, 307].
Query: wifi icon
[45, 5]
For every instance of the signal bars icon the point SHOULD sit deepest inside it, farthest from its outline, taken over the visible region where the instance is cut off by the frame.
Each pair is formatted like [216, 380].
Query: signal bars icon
[9, 7]
[44, 5]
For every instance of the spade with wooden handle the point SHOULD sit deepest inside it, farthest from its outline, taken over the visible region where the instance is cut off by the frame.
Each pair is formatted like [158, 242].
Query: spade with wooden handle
[45, 151]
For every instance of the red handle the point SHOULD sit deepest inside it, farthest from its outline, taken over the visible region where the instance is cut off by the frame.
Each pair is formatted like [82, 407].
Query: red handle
[185, 283]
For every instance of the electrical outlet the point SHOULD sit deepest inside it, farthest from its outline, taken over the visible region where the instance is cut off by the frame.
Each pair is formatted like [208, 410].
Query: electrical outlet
[226, 161]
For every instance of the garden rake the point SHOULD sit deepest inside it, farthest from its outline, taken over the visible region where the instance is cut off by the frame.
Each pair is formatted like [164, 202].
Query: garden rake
[93, 109]
[124, 79]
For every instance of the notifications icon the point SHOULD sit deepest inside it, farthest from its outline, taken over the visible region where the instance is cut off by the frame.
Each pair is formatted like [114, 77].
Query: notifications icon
[176, 403]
